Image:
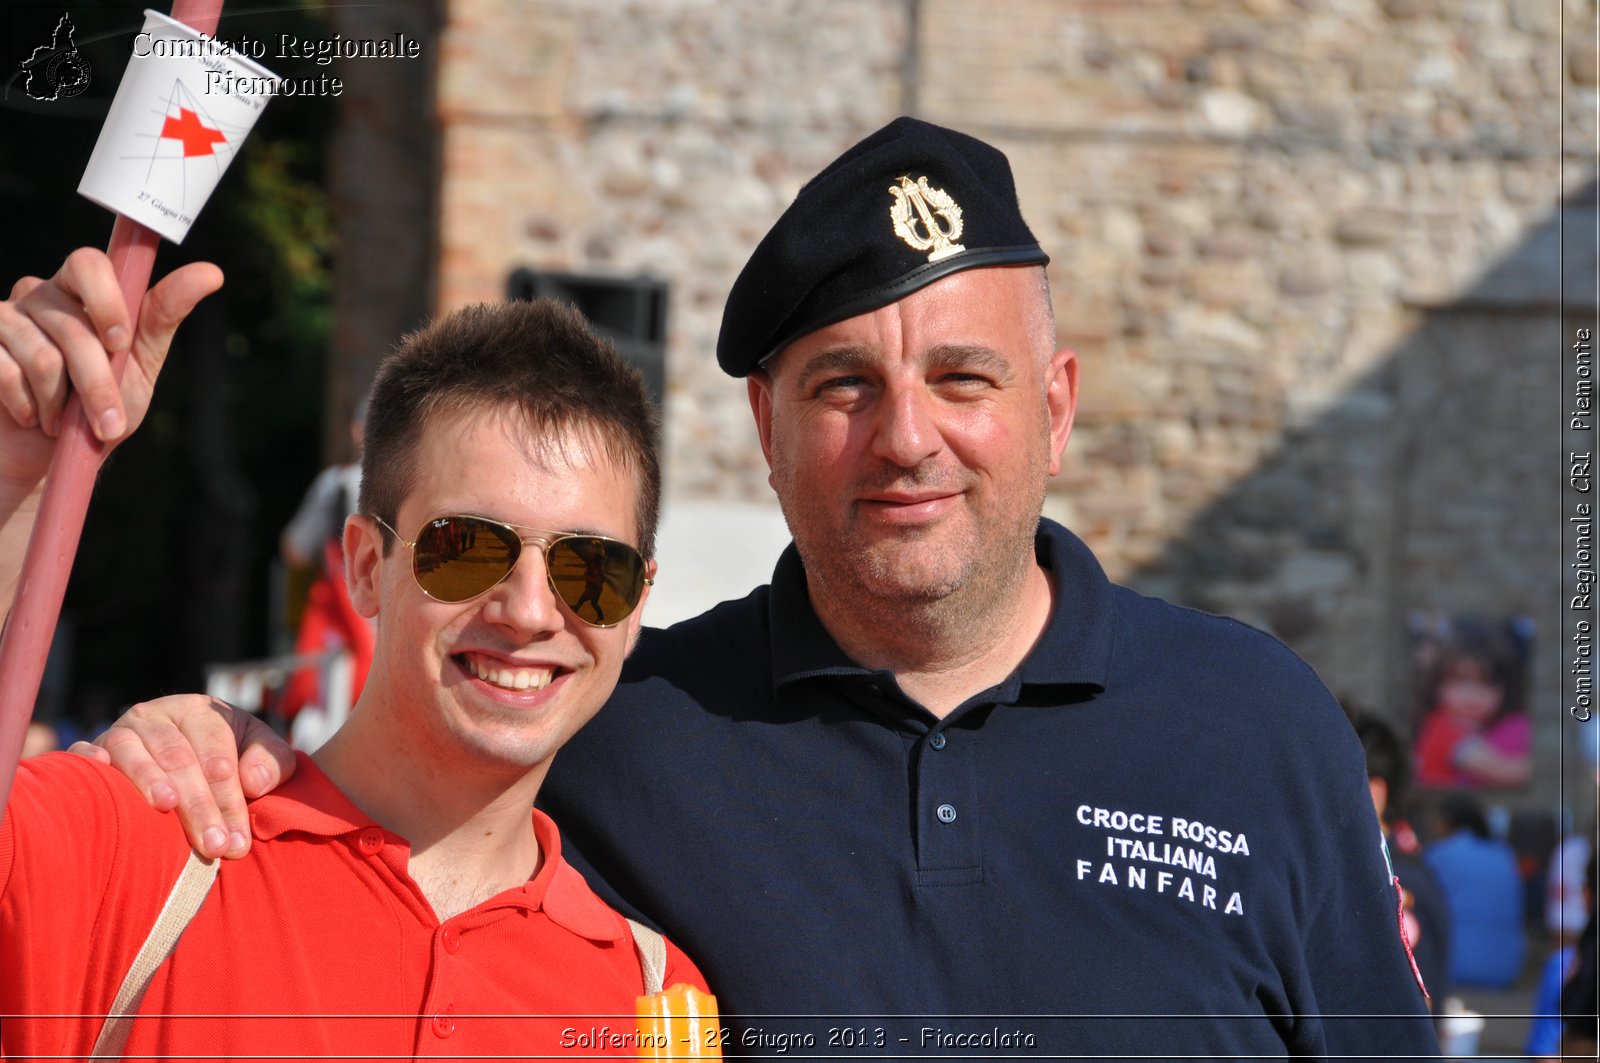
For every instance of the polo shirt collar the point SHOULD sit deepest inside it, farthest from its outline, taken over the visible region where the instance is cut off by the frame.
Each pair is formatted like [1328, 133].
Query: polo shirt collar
[1075, 649]
[1076, 646]
[801, 647]
[310, 803]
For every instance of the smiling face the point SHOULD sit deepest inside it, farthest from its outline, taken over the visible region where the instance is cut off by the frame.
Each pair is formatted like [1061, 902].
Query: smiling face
[909, 446]
[502, 681]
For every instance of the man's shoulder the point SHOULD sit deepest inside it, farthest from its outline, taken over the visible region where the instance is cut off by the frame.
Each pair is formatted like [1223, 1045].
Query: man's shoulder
[1152, 636]
[1229, 684]
[85, 867]
[728, 641]
[78, 838]
[63, 788]
[72, 817]
[1198, 644]
[738, 620]
[1464, 849]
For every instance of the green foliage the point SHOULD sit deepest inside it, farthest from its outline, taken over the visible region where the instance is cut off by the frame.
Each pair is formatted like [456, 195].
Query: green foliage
[287, 215]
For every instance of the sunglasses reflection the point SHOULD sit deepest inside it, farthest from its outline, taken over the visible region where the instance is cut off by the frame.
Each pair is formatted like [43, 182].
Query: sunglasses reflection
[452, 543]
[591, 555]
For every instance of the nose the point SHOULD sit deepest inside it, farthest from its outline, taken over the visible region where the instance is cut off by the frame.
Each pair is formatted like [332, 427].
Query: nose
[907, 431]
[523, 603]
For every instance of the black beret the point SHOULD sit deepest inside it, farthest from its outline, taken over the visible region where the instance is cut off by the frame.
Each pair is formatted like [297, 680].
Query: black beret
[910, 204]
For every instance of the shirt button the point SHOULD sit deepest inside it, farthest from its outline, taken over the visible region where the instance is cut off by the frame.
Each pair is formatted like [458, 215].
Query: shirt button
[370, 841]
[444, 1025]
[875, 689]
[451, 939]
[937, 740]
[946, 813]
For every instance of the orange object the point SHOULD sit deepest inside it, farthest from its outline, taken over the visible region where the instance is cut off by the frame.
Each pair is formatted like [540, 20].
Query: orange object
[679, 1023]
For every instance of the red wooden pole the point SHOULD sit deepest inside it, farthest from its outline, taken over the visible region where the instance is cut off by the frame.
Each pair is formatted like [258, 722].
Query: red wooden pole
[48, 562]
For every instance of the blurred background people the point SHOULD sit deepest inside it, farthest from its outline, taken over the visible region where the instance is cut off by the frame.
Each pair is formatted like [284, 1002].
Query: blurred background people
[1483, 889]
[1566, 902]
[1474, 729]
[329, 622]
[1580, 993]
[1545, 1028]
[331, 498]
[1427, 913]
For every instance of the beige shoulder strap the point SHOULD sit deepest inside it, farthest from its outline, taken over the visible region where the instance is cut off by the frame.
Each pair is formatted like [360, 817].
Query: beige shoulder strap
[188, 893]
[652, 956]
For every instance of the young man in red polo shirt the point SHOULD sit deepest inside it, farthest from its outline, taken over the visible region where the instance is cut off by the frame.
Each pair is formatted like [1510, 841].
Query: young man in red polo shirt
[399, 900]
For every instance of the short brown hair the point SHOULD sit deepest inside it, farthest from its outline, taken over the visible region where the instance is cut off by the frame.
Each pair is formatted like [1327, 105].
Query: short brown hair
[540, 357]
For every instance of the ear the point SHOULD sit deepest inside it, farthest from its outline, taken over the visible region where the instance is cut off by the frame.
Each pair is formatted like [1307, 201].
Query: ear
[759, 385]
[636, 618]
[1061, 397]
[363, 563]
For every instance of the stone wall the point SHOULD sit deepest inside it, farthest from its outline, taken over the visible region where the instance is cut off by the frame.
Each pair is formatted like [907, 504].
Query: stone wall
[1274, 224]
[659, 138]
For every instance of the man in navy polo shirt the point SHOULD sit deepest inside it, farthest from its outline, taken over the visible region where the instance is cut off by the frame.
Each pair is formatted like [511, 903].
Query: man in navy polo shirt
[941, 787]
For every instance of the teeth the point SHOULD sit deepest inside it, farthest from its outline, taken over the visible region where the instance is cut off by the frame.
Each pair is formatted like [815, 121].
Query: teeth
[512, 678]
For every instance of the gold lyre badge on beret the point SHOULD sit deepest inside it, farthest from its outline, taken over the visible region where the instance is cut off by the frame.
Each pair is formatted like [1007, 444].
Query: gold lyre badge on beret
[917, 212]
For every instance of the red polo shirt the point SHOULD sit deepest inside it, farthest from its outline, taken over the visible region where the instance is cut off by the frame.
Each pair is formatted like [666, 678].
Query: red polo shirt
[316, 944]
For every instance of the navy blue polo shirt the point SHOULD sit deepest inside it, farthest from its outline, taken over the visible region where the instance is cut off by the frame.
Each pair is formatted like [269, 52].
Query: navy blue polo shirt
[1155, 837]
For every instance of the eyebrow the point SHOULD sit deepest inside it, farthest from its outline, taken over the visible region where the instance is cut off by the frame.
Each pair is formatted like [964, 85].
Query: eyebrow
[970, 356]
[833, 360]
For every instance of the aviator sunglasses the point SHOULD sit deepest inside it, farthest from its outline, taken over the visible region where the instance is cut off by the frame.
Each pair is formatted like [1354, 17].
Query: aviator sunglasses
[457, 558]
